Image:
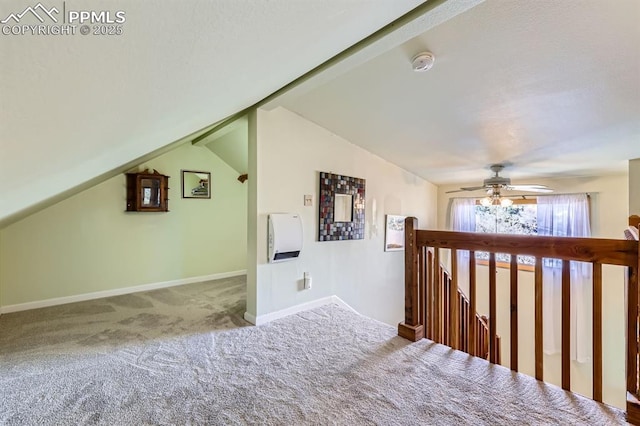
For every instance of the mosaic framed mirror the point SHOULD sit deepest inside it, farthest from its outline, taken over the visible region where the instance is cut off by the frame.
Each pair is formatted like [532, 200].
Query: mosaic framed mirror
[341, 207]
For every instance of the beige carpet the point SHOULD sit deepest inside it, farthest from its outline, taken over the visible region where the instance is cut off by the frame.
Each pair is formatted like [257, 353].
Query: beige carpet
[185, 356]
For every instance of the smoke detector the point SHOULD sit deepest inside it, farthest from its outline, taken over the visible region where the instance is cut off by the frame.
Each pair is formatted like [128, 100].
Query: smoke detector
[423, 61]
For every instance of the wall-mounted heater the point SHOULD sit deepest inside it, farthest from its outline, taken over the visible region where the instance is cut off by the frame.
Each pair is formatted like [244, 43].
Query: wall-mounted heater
[285, 236]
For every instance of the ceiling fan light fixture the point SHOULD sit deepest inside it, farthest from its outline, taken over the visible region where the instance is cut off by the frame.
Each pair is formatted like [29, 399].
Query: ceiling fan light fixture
[495, 183]
[486, 201]
[506, 202]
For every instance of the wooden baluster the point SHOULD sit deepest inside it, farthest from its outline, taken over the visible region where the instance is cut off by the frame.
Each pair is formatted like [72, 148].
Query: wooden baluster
[437, 303]
[422, 288]
[454, 328]
[472, 303]
[462, 306]
[469, 322]
[411, 328]
[597, 332]
[566, 325]
[485, 344]
[430, 304]
[445, 309]
[514, 312]
[538, 319]
[492, 308]
[479, 343]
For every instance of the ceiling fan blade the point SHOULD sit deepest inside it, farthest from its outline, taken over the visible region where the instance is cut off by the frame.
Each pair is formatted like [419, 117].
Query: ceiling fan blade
[471, 188]
[530, 188]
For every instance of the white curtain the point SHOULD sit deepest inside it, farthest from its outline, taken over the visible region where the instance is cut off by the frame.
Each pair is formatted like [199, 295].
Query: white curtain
[463, 219]
[567, 216]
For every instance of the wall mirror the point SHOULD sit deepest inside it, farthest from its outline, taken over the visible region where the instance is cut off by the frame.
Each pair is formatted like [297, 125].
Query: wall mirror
[150, 192]
[341, 207]
[196, 184]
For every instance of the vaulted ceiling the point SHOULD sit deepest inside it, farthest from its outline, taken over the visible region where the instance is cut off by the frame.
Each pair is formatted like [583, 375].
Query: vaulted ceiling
[74, 107]
[550, 88]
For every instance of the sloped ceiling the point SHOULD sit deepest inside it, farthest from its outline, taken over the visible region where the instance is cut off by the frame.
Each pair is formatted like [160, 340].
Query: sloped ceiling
[551, 88]
[232, 146]
[75, 107]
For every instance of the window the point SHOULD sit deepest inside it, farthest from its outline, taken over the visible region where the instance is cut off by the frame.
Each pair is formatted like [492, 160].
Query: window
[557, 215]
[521, 219]
[518, 219]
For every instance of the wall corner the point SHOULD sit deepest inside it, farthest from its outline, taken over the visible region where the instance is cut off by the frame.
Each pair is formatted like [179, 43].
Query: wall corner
[252, 217]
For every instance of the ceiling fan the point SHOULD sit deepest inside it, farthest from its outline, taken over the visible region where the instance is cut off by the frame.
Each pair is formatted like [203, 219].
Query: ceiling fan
[497, 183]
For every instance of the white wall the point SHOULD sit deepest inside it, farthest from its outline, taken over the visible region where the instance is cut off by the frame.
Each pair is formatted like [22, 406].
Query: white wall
[290, 152]
[609, 209]
[634, 186]
[88, 243]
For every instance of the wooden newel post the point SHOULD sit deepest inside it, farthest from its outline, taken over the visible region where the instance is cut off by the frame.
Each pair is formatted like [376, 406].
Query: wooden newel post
[411, 328]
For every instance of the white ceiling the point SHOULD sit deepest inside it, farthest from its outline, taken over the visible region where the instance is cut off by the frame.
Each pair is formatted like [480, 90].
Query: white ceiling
[76, 107]
[550, 87]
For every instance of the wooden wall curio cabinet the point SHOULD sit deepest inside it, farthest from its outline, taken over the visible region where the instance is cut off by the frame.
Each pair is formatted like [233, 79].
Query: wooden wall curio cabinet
[147, 192]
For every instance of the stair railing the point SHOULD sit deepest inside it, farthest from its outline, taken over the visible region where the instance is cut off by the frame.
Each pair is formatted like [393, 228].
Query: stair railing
[438, 312]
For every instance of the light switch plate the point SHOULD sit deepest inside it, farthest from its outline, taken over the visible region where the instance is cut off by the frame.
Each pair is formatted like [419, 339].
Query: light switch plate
[308, 200]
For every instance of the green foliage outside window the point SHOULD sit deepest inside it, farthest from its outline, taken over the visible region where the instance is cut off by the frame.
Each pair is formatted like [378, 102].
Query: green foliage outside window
[518, 219]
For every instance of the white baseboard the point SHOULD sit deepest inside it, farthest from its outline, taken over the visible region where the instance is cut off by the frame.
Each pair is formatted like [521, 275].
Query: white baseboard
[263, 319]
[115, 292]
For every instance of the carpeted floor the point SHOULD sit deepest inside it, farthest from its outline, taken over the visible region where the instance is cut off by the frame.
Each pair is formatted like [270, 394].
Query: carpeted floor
[185, 356]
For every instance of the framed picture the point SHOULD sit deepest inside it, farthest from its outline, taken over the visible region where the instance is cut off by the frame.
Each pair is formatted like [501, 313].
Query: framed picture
[394, 233]
[196, 184]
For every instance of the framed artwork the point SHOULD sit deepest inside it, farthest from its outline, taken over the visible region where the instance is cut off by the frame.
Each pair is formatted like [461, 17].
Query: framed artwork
[196, 184]
[394, 233]
[341, 207]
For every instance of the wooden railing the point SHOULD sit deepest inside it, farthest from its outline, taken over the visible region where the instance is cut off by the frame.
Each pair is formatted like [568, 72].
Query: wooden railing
[473, 337]
[425, 316]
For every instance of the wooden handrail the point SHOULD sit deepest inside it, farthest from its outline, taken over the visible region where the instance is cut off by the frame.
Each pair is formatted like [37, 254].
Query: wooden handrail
[605, 251]
[450, 318]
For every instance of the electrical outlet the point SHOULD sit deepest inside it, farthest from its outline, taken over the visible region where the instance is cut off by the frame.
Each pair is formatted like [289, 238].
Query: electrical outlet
[307, 280]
